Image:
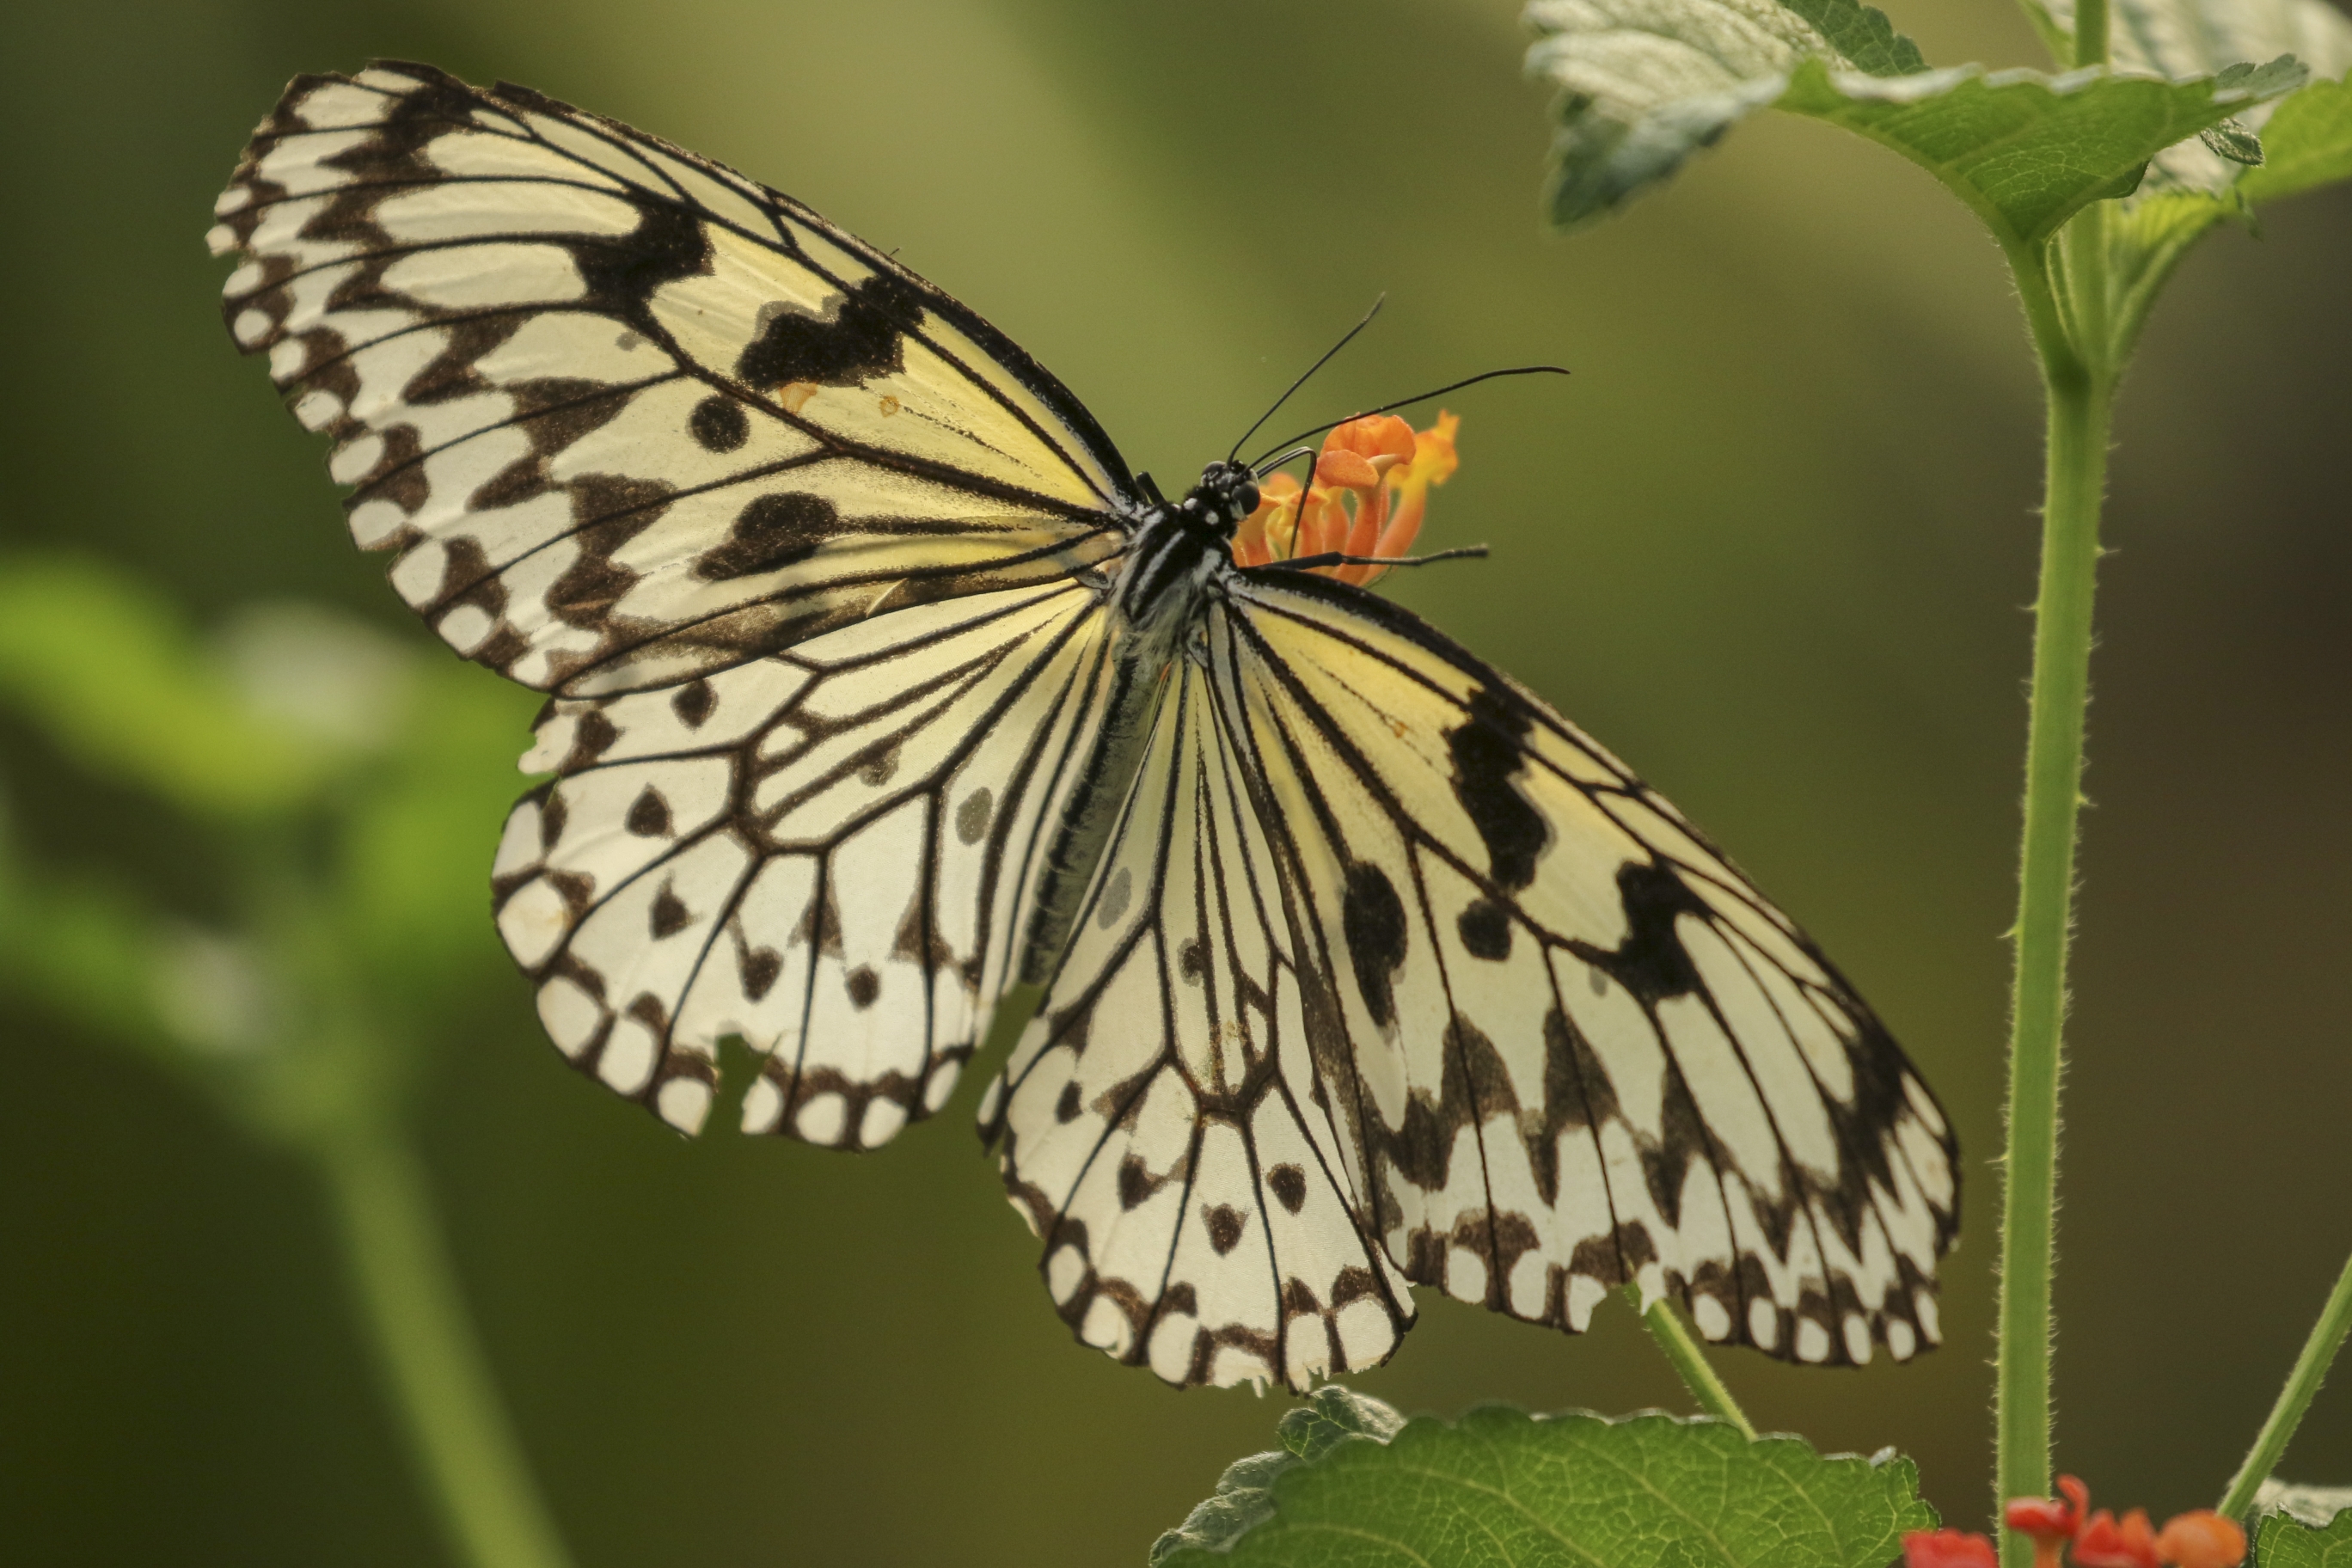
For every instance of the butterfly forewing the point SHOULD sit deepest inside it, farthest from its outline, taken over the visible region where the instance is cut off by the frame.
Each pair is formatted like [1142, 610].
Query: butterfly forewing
[626, 416]
[817, 853]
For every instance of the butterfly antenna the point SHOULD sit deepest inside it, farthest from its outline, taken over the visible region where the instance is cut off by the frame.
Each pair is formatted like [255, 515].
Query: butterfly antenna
[1340, 558]
[1302, 381]
[1268, 466]
[1419, 397]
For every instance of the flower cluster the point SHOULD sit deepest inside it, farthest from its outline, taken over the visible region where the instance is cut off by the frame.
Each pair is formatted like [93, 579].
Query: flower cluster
[2198, 1539]
[1370, 487]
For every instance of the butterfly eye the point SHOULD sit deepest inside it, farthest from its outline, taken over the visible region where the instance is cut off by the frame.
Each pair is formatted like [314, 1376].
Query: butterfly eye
[1245, 498]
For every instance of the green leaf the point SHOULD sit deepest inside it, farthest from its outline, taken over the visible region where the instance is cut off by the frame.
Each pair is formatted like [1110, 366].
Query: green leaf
[1503, 1488]
[1862, 35]
[2284, 1541]
[2307, 142]
[1648, 82]
[108, 669]
[2233, 140]
[2028, 150]
[2184, 39]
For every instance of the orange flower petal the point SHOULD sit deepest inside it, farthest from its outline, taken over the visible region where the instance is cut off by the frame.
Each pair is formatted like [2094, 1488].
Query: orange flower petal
[2103, 1542]
[1350, 471]
[1374, 436]
[2201, 1539]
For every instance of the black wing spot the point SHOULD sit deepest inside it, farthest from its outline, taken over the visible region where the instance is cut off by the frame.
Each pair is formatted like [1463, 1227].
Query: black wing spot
[1289, 1185]
[1224, 1223]
[1372, 917]
[860, 336]
[669, 915]
[772, 532]
[693, 703]
[649, 815]
[1486, 928]
[1067, 1108]
[1651, 962]
[761, 967]
[623, 273]
[718, 423]
[864, 986]
[971, 818]
[1136, 1181]
[552, 814]
[1487, 759]
[1191, 961]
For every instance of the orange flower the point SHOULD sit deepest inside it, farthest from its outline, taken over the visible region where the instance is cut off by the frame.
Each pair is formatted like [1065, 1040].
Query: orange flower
[2201, 1539]
[2104, 1544]
[1370, 491]
[2049, 1522]
[1947, 1549]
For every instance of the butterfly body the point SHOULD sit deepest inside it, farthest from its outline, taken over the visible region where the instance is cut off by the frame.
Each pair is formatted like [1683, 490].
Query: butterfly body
[890, 713]
[1154, 600]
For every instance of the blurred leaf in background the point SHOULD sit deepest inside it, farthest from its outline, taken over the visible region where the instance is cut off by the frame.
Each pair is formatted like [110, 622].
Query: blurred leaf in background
[1768, 543]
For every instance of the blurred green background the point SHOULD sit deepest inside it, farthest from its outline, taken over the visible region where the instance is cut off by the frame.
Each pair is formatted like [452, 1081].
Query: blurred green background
[1771, 543]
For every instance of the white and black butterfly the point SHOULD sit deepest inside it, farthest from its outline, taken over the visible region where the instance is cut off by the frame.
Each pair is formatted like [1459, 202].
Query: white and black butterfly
[885, 702]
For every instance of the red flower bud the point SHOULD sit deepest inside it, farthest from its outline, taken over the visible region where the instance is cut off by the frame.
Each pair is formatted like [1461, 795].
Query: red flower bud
[1947, 1549]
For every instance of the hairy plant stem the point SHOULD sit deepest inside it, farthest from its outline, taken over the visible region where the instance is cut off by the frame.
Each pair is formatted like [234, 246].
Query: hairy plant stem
[407, 1292]
[2310, 1371]
[1690, 1361]
[2078, 385]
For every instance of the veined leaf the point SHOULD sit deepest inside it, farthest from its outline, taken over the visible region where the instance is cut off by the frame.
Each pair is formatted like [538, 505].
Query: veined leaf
[2028, 150]
[2306, 143]
[1646, 83]
[1503, 1488]
[2183, 40]
[2284, 1541]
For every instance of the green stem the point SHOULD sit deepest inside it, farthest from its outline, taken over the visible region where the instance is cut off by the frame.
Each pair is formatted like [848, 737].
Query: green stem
[2090, 32]
[2310, 1371]
[2078, 395]
[1690, 1361]
[438, 1378]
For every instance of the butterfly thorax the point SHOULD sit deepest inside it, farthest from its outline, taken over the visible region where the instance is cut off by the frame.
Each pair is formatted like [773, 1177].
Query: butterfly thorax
[1181, 546]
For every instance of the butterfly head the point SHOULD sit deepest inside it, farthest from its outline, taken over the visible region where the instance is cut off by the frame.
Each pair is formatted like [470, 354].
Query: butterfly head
[1226, 494]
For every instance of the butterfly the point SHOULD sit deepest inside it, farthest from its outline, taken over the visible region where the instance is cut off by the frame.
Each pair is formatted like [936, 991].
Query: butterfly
[891, 717]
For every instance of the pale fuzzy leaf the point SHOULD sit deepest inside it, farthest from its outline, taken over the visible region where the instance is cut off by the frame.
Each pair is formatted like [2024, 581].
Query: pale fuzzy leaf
[2312, 1505]
[2029, 151]
[1646, 83]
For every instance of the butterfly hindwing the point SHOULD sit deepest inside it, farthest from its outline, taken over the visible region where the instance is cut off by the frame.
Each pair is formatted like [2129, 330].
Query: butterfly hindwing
[1585, 1050]
[819, 853]
[626, 416]
[1161, 1124]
